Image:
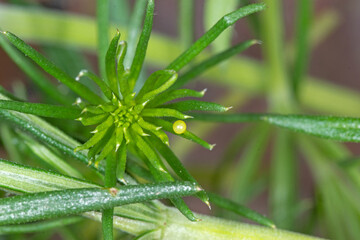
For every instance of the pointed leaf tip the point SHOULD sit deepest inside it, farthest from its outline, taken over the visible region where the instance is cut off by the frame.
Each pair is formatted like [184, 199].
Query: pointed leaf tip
[212, 146]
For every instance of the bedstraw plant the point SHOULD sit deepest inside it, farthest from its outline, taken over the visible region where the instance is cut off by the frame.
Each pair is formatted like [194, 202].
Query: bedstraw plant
[126, 121]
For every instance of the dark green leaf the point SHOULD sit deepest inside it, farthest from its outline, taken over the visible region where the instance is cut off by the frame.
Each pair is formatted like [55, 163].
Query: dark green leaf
[43, 110]
[45, 205]
[155, 80]
[246, 171]
[304, 19]
[228, 118]
[134, 29]
[194, 105]
[174, 94]
[110, 63]
[149, 152]
[212, 34]
[163, 112]
[142, 45]
[53, 70]
[177, 165]
[163, 176]
[34, 74]
[330, 127]
[103, 86]
[335, 128]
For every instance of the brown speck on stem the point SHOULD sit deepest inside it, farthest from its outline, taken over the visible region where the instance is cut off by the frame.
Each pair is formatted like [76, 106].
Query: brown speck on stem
[113, 191]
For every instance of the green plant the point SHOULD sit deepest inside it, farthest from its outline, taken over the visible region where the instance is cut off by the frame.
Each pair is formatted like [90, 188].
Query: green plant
[129, 135]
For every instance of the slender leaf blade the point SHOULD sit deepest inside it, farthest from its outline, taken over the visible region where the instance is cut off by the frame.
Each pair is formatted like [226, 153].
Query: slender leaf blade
[195, 105]
[142, 45]
[40, 109]
[53, 70]
[212, 34]
[33, 73]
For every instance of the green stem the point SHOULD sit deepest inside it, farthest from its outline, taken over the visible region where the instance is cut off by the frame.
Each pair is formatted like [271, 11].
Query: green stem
[186, 23]
[272, 34]
[110, 181]
[178, 227]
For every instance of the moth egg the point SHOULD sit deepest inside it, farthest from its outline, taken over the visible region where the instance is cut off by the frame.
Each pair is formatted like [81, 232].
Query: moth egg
[179, 127]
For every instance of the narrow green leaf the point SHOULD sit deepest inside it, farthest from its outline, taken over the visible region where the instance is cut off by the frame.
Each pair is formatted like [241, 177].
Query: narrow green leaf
[38, 227]
[147, 126]
[330, 127]
[102, 17]
[168, 126]
[162, 136]
[174, 94]
[134, 29]
[151, 94]
[212, 34]
[195, 105]
[92, 141]
[246, 170]
[163, 112]
[110, 63]
[9, 95]
[240, 209]
[92, 120]
[45, 205]
[48, 156]
[137, 171]
[102, 85]
[177, 166]
[43, 110]
[121, 159]
[142, 45]
[34, 74]
[228, 118]
[156, 79]
[303, 24]
[162, 176]
[227, 161]
[212, 61]
[151, 155]
[21, 179]
[53, 70]
[213, 11]
[136, 128]
[107, 150]
[104, 125]
[121, 72]
[335, 128]
[10, 142]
